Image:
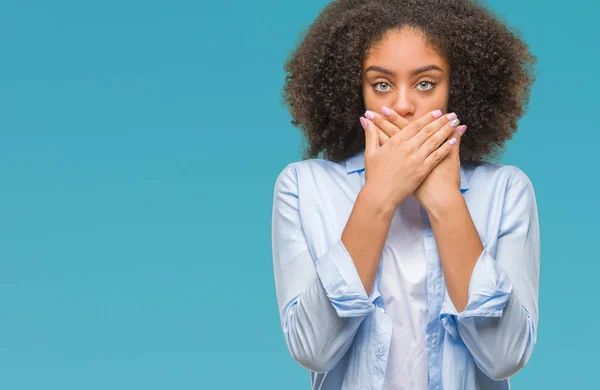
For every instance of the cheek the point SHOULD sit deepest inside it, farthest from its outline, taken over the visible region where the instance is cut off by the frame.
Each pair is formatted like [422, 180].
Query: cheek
[366, 95]
[438, 100]
[442, 98]
[441, 103]
[371, 99]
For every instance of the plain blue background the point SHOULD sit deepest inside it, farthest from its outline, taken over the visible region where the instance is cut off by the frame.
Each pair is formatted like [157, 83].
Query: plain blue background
[140, 142]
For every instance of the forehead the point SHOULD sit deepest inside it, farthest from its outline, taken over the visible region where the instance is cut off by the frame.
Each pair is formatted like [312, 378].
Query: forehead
[404, 50]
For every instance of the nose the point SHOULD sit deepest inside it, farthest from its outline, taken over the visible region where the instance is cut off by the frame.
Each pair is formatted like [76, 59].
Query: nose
[404, 104]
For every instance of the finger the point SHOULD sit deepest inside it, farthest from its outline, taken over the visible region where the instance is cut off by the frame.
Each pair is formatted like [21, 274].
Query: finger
[383, 138]
[460, 130]
[398, 120]
[380, 121]
[413, 128]
[430, 129]
[438, 155]
[438, 138]
[371, 139]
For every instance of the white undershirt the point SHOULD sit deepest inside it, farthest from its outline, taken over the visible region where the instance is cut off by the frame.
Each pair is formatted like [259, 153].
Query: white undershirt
[404, 290]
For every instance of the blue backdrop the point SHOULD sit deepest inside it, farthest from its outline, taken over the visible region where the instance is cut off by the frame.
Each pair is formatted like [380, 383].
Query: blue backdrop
[139, 145]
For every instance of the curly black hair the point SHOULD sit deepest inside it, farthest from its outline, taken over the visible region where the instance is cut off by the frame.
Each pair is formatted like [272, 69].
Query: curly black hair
[491, 71]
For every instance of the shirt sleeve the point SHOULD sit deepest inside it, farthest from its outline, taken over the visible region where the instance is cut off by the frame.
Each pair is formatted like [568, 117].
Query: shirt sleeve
[499, 322]
[321, 300]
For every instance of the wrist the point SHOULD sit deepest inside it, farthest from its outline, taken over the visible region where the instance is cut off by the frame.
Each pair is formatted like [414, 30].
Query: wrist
[446, 202]
[377, 200]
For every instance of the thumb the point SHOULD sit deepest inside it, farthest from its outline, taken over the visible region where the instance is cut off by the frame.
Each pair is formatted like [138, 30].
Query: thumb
[371, 139]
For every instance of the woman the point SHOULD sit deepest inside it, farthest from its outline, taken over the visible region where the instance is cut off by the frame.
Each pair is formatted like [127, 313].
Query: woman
[403, 259]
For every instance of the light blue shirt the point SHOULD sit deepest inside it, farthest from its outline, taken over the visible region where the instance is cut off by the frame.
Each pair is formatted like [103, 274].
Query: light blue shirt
[342, 335]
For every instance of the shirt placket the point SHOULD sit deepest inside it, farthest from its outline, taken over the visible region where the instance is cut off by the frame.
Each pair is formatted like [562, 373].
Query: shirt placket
[434, 297]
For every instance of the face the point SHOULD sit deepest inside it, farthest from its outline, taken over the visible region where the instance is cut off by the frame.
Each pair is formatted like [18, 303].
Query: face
[406, 74]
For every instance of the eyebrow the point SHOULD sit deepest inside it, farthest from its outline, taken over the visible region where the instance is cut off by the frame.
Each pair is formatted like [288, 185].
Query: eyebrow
[412, 73]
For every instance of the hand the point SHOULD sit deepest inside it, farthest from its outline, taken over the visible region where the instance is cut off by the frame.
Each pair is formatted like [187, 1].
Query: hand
[442, 185]
[398, 167]
[444, 179]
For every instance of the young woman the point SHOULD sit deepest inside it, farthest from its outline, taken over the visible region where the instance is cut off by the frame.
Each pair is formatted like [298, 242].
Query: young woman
[405, 259]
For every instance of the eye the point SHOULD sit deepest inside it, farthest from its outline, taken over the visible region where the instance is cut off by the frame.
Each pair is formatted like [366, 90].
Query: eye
[425, 85]
[383, 86]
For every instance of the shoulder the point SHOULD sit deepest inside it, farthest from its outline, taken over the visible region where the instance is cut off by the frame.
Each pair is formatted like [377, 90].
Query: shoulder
[499, 196]
[484, 174]
[311, 171]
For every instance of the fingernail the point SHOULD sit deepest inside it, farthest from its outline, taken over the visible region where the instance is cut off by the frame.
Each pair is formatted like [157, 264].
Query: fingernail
[462, 129]
[454, 122]
[370, 115]
[452, 141]
[363, 122]
[437, 113]
[386, 111]
[451, 116]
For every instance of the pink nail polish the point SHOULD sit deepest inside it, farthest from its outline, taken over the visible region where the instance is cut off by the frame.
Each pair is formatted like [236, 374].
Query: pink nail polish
[370, 115]
[462, 129]
[363, 122]
[451, 116]
[452, 141]
[437, 113]
[386, 111]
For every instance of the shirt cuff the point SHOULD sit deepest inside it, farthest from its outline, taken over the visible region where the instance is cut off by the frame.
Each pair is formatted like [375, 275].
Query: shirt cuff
[489, 291]
[341, 281]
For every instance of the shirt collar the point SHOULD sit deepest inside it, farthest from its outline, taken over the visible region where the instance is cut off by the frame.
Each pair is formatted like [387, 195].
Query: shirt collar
[357, 163]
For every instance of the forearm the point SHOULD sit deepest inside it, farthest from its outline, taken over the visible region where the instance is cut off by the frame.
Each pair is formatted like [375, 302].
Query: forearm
[321, 299]
[366, 231]
[497, 314]
[502, 345]
[495, 326]
[458, 244]
[316, 336]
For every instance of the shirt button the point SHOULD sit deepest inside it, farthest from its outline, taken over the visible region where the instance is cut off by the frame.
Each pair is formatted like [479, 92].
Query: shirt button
[380, 352]
[381, 309]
